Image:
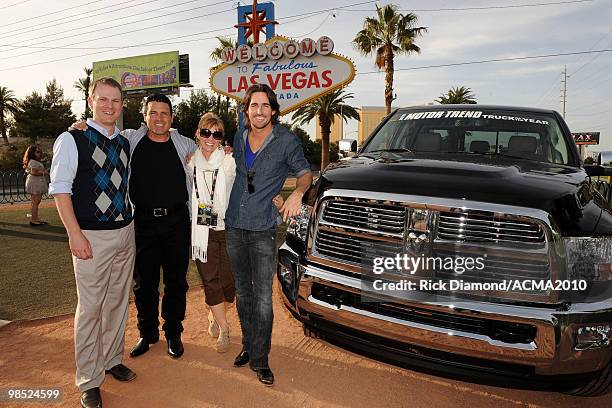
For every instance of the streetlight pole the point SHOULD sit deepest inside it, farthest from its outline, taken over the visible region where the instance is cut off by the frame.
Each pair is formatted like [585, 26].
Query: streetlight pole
[341, 123]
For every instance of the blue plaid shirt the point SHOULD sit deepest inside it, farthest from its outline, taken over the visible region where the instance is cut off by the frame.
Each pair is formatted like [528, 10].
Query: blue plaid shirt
[280, 154]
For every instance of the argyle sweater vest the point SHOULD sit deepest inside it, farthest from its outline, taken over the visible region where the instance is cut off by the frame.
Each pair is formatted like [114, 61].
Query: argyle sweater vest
[100, 188]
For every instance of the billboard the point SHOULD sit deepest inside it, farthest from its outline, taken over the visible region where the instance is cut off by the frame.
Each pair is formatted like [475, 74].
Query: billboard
[298, 72]
[141, 72]
[586, 138]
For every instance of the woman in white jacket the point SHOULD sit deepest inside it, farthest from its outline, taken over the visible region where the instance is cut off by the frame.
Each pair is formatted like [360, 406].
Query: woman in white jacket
[213, 176]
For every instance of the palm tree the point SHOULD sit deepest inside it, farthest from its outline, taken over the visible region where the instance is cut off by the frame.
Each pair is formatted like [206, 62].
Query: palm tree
[217, 56]
[457, 95]
[83, 85]
[326, 108]
[388, 34]
[8, 106]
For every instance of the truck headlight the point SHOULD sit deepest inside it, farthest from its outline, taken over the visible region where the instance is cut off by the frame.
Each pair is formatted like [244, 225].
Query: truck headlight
[298, 225]
[589, 258]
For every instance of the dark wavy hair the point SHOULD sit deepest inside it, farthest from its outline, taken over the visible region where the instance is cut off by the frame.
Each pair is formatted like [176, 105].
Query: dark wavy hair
[29, 153]
[246, 101]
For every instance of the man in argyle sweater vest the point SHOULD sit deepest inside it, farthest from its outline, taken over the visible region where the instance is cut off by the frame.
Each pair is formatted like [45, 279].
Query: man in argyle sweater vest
[89, 182]
[103, 204]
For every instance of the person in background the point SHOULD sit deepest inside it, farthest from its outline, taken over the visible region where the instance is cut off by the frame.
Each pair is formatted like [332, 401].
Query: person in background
[36, 181]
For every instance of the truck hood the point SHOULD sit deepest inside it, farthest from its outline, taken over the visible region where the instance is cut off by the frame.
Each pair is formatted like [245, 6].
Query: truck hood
[553, 188]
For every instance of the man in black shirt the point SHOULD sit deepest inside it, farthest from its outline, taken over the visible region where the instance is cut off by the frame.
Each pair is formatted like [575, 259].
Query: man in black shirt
[160, 189]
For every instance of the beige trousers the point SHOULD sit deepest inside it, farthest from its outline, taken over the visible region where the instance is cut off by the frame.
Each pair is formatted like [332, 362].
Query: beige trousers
[103, 288]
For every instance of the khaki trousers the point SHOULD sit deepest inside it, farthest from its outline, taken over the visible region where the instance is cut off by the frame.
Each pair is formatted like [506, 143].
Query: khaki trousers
[103, 288]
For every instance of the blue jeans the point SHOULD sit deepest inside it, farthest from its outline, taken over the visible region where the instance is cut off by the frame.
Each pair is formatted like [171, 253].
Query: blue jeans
[252, 256]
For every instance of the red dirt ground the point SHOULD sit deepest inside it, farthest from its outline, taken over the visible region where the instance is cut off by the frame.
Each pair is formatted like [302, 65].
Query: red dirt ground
[309, 372]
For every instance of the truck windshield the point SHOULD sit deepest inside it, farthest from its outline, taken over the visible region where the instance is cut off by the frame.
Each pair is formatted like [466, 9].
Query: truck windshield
[522, 135]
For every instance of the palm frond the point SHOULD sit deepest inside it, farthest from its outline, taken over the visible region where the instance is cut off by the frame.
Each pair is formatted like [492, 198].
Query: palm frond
[387, 34]
[457, 95]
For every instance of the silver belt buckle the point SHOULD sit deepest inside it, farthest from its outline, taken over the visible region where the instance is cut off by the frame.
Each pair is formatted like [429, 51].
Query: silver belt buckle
[160, 212]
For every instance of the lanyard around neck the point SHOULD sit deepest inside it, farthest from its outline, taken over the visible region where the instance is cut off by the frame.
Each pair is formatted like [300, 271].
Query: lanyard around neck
[211, 191]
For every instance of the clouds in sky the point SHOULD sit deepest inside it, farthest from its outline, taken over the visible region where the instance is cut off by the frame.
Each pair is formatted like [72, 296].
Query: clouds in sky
[453, 37]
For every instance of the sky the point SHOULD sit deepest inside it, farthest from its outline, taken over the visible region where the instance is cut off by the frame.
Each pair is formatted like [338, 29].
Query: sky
[41, 40]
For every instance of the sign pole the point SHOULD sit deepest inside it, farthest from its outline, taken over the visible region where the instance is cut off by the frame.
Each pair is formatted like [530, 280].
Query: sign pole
[256, 16]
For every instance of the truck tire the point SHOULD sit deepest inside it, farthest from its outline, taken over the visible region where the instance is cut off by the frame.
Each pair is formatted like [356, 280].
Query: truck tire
[310, 332]
[598, 384]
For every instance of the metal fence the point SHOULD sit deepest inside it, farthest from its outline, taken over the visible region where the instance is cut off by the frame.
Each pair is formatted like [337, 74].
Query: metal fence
[12, 186]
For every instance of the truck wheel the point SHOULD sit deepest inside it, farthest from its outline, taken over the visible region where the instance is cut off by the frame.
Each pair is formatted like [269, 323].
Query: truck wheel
[599, 384]
[310, 332]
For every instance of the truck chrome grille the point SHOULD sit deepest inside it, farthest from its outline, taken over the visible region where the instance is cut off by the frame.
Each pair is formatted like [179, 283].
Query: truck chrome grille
[498, 268]
[350, 232]
[353, 249]
[365, 215]
[355, 231]
[480, 226]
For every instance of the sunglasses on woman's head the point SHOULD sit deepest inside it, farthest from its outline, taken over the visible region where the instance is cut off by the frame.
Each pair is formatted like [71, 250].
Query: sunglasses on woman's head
[206, 133]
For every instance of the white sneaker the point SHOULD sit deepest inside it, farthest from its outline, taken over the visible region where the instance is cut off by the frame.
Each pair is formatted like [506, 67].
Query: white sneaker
[213, 327]
[223, 342]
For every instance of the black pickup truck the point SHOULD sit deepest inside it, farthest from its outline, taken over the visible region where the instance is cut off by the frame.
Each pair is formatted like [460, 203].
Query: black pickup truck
[467, 238]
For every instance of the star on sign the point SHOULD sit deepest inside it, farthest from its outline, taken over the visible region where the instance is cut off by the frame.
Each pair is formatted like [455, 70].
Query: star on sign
[255, 24]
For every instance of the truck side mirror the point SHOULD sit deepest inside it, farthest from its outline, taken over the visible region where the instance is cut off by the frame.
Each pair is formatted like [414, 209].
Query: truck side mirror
[603, 168]
[347, 147]
[604, 158]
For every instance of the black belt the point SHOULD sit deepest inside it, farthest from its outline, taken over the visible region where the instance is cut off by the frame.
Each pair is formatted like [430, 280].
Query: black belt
[160, 211]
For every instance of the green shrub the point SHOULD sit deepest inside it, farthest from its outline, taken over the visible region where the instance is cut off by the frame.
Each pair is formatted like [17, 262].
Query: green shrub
[12, 155]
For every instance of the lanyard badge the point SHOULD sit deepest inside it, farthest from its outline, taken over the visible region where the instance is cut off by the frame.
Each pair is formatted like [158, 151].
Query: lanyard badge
[206, 216]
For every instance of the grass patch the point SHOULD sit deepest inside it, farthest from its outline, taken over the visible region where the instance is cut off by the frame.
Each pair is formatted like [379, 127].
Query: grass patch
[36, 275]
[37, 278]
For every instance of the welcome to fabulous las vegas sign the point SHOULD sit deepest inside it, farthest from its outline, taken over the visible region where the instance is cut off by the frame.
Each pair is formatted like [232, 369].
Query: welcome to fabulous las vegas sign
[299, 72]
